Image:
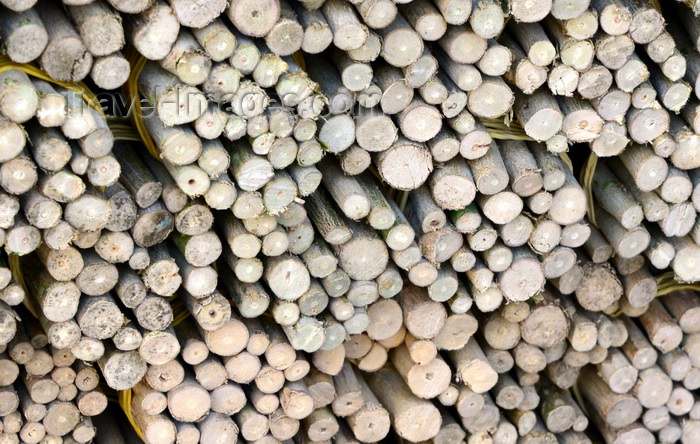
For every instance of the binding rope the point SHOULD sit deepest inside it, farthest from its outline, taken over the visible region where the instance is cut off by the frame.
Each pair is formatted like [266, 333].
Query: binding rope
[498, 129]
[586, 180]
[506, 129]
[124, 398]
[299, 59]
[667, 283]
[122, 131]
[692, 4]
[180, 311]
[78, 87]
[14, 262]
[131, 91]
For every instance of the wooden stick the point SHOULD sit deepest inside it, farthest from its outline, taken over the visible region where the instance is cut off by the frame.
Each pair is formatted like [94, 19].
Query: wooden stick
[404, 407]
[348, 31]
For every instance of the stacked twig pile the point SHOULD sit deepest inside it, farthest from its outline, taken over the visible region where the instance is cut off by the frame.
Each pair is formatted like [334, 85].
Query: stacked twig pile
[319, 229]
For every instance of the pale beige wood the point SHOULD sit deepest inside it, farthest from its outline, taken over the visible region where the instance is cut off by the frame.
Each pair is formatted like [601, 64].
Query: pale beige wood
[495, 92]
[525, 75]
[254, 19]
[563, 80]
[217, 427]
[111, 71]
[618, 372]
[215, 38]
[23, 32]
[348, 31]
[534, 42]
[114, 360]
[403, 406]
[582, 26]
[100, 28]
[603, 400]
[549, 315]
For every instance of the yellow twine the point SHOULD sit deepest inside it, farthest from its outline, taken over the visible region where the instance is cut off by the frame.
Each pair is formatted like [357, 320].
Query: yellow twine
[125, 404]
[79, 87]
[617, 314]
[692, 4]
[299, 59]
[578, 397]
[16, 270]
[567, 161]
[180, 312]
[586, 180]
[122, 131]
[403, 200]
[137, 62]
[667, 283]
[499, 130]
[109, 392]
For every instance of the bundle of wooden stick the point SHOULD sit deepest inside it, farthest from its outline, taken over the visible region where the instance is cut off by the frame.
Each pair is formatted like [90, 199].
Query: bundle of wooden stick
[350, 221]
